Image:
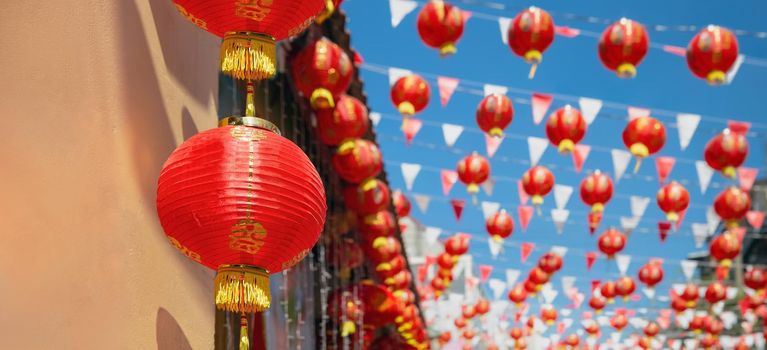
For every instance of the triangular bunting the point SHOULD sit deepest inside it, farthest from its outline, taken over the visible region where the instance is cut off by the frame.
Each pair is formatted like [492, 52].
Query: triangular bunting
[375, 117]
[568, 282]
[397, 73]
[591, 257]
[536, 146]
[579, 154]
[688, 268]
[712, 220]
[735, 68]
[639, 205]
[511, 277]
[629, 223]
[559, 216]
[490, 208]
[488, 186]
[422, 202]
[621, 159]
[449, 178]
[686, 125]
[559, 250]
[494, 246]
[664, 165]
[451, 133]
[432, 234]
[738, 127]
[541, 104]
[589, 108]
[409, 173]
[636, 112]
[498, 287]
[525, 249]
[755, 218]
[699, 233]
[446, 87]
[400, 9]
[523, 196]
[410, 128]
[704, 174]
[492, 143]
[746, 177]
[503, 24]
[490, 89]
[663, 228]
[562, 195]
[566, 32]
[675, 50]
[458, 205]
[623, 262]
[525, 214]
[484, 272]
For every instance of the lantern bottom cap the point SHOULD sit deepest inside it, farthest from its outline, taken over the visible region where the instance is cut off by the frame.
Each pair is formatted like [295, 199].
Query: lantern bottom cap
[566, 146]
[322, 99]
[639, 150]
[406, 109]
[729, 171]
[716, 77]
[626, 70]
[248, 56]
[447, 49]
[533, 57]
[242, 289]
[496, 132]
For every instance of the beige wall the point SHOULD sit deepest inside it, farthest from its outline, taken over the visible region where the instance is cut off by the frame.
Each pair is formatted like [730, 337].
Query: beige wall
[95, 95]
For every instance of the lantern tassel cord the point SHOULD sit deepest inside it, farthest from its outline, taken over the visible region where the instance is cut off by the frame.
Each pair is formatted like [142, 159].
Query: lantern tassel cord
[533, 68]
[637, 165]
[244, 337]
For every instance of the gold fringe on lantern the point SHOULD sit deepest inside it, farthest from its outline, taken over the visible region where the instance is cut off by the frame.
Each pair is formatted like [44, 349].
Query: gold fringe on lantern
[248, 56]
[242, 289]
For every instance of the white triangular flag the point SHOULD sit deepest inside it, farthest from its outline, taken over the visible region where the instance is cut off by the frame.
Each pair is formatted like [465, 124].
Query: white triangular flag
[688, 268]
[678, 288]
[567, 322]
[491, 89]
[432, 234]
[536, 146]
[497, 286]
[704, 174]
[690, 343]
[686, 124]
[559, 250]
[422, 201]
[375, 117]
[488, 186]
[559, 216]
[712, 220]
[568, 282]
[451, 132]
[503, 24]
[409, 173]
[400, 9]
[589, 108]
[649, 292]
[549, 294]
[735, 67]
[629, 223]
[623, 262]
[621, 159]
[494, 246]
[699, 234]
[728, 319]
[490, 208]
[639, 205]
[396, 73]
[565, 312]
[511, 277]
[562, 194]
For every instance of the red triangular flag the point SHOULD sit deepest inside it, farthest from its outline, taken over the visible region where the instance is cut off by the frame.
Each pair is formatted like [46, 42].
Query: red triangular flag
[561, 328]
[358, 60]
[446, 87]
[746, 177]
[587, 315]
[664, 166]
[580, 153]
[635, 297]
[525, 214]
[566, 32]
[594, 217]
[422, 272]
[675, 50]
[492, 143]
[755, 218]
[411, 127]
[739, 232]
[591, 257]
[449, 178]
[595, 284]
[663, 227]
[541, 104]
[484, 272]
[525, 250]
[431, 260]
[678, 222]
[465, 15]
[738, 127]
[471, 282]
[458, 205]
[523, 196]
[402, 227]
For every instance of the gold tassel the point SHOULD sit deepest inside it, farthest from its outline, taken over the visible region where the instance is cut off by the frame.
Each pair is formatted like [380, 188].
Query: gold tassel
[248, 56]
[244, 339]
[242, 289]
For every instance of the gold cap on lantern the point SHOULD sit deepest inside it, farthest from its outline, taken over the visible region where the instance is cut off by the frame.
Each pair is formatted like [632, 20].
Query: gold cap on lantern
[242, 289]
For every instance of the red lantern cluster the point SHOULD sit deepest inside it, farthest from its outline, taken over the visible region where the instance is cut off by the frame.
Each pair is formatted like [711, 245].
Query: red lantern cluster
[455, 246]
[644, 136]
[711, 54]
[622, 47]
[322, 72]
[673, 199]
[473, 170]
[410, 94]
[494, 114]
[565, 128]
[440, 26]
[530, 34]
[537, 182]
[611, 242]
[726, 152]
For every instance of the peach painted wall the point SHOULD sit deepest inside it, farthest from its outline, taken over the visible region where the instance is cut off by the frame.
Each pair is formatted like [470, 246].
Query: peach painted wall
[95, 95]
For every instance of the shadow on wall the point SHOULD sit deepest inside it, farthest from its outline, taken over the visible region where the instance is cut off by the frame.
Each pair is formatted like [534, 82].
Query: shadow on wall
[188, 127]
[170, 336]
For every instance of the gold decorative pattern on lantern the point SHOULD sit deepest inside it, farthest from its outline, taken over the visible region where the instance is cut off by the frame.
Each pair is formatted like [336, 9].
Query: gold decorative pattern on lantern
[247, 235]
[256, 10]
[198, 22]
[296, 259]
[184, 250]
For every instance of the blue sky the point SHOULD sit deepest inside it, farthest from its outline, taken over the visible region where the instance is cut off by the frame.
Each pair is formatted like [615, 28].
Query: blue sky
[570, 68]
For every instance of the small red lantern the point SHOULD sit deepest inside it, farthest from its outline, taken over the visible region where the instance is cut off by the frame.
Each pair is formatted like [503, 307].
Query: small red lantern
[726, 151]
[724, 248]
[711, 54]
[644, 136]
[732, 204]
[549, 315]
[756, 279]
[673, 199]
[482, 307]
[322, 72]
[518, 294]
[473, 170]
[439, 285]
[368, 197]
[619, 322]
[530, 324]
[457, 245]
[651, 329]
[530, 34]
[469, 334]
[565, 128]
[596, 190]
[379, 307]
[468, 312]
[597, 303]
[622, 46]
[690, 294]
[346, 255]
[380, 224]
[382, 250]
[440, 26]
[494, 114]
[651, 274]
[446, 261]
[572, 341]
[550, 263]
[716, 292]
[520, 344]
[530, 287]
[459, 322]
[608, 291]
[592, 329]
[348, 120]
[391, 268]
[537, 182]
[611, 242]
[401, 280]
[644, 343]
[500, 225]
[250, 30]
[709, 342]
[678, 304]
[357, 160]
[445, 274]
[401, 204]
[516, 333]
[624, 287]
[538, 277]
[444, 337]
[410, 94]
[714, 327]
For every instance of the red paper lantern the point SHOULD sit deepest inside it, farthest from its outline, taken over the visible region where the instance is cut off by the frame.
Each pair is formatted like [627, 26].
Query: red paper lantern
[457, 245]
[520, 344]
[538, 277]
[468, 334]
[572, 340]
[592, 329]
[651, 329]
[439, 285]
[726, 151]
[382, 250]
[250, 30]
[678, 304]
[530, 34]
[596, 190]
[346, 255]
[611, 242]
[732, 204]
[405, 296]
[482, 307]
[673, 199]
[597, 303]
[473, 170]
[537, 182]
[444, 337]
[549, 315]
[624, 287]
[322, 72]
[690, 294]
[644, 343]
[550, 263]
[565, 128]
[724, 248]
[380, 224]
[494, 114]
[379, 307]
[651, 274]
[357, 160]
[368, 197]
[711, 54]
[446, 275]
[622, 46]
[218, 207]
[348, 120]
[410, 94]
[530, 287]
[713, 327]
[516, 333]
[446, 261]
[619, 322]
[459, 322]
[530, 324]
[440, 26]
[391, 268]
[402, 280]
[709, 342]
[500, 225]
[644, 136]
[401, 204]
[716, 292]
[756, 279]
[608, 291]
[518, 294]
[467, 312]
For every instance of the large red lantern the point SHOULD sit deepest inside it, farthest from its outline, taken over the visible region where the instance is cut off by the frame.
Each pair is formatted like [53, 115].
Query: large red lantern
[673, 199]
[624, 287]
[322, 72]
[242, 200]
[651, 274]
[500, 225]
[518, 294]
[457, 245]
[401, 204]
[755, 279]
[494, 114]
[690, 295]
[530, 34]
[716, 292]
[250, 30]
[537, 182]
[597, 303]
[726, 151]
[549, 315]
[596, 190]
[711, 54]
[732, 204]
[619, 322]
[357, 160]
[368, 197]
[651, 329]
[410, 94]
[644, 136]
[473, 170]
[440, 26]
[550, 263]
[565, 128]
[608, 291]
[622, 46]
[348, 120]
[611, 242]
[380, 224]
